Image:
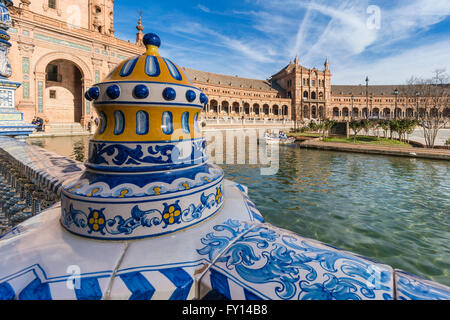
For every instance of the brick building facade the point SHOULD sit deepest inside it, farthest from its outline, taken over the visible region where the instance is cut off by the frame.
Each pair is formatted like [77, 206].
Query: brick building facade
[61, 47]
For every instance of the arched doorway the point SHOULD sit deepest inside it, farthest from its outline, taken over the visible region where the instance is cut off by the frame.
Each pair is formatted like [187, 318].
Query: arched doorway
[225, 107]
[410, 113]
[321, 113]
[434, 113]
[376, 112]
[256, 108]
[68, 76]
[285, 111]
[447, 113]
[422, 112]
[345, 112]
[236, 107]
[63, 91]
[365, 113]
[306, 112]
[336, 112]
[246, 108]
[275, 110]
[213, 106]
[314, 112]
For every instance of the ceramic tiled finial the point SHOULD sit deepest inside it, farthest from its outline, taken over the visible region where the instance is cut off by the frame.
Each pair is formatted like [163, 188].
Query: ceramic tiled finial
[147, 173]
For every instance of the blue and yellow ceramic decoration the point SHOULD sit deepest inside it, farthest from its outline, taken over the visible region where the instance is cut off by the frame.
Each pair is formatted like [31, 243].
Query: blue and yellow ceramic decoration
[147, 173]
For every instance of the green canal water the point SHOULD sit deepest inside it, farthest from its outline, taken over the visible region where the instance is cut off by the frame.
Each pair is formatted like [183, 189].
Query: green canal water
[391, 209]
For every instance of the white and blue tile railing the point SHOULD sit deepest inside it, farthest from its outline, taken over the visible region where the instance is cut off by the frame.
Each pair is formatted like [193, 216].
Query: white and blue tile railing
[234, 254]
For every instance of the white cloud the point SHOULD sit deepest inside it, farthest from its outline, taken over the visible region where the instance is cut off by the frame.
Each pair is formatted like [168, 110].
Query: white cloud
[203, 8]
[250, 49]
[396, 69]
[277, 30]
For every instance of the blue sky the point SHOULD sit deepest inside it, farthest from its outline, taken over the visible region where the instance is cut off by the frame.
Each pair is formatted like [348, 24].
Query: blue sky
[387, 40]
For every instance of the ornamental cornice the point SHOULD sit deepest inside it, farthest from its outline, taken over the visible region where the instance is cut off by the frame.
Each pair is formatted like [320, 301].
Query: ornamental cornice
[112, 65]
[25, 47]
[97, 62]
[47, 24]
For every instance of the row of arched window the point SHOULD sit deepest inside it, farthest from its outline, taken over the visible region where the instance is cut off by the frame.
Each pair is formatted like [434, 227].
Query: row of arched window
[143, 122]
[313, 95]
[313, 82]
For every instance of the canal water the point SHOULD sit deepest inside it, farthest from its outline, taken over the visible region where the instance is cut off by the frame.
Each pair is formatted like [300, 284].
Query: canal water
[391, 209]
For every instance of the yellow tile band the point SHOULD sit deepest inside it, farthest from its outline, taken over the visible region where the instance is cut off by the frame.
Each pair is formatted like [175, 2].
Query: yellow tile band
[155, 132]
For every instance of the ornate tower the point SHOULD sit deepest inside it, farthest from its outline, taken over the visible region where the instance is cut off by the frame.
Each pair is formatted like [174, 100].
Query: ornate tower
[147, 173]
[101, 16]
[140, 34]
[11, 120]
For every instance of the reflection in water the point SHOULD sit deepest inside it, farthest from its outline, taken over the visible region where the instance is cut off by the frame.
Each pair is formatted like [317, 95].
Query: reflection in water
[79, 151]
[73, 147]
[392, 209]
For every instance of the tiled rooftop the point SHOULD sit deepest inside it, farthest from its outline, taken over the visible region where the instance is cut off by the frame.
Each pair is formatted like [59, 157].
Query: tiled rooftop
[376, 90]
[231, 81]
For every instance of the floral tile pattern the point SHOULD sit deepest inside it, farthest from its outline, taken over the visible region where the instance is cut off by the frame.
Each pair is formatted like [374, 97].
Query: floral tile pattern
[411, 287]
[261, 261]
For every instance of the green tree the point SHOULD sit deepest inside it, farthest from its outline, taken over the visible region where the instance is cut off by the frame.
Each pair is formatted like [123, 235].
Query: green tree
[366, 125]
[356, 126]
[321, 128]
[384, 124]
[313, 126]
[328, 125]
[393, 127]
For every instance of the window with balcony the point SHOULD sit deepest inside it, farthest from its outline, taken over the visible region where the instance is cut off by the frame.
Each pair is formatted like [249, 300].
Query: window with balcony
[52, 73]
[52, 4]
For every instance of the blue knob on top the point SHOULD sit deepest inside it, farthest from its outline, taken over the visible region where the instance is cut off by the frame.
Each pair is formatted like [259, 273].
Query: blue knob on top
[151, 39]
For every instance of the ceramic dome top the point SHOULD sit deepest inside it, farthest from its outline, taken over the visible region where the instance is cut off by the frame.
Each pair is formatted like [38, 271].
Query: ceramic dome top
[149, 66]
[161, 81]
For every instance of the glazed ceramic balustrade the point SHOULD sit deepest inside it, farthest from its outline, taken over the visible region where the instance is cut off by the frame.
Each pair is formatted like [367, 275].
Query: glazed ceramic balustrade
[184, 230]
[11, 120]
[30, 180]
[235, 254]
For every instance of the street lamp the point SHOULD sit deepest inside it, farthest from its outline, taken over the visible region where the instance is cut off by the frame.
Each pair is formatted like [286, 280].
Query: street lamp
[371, 106]
[417, 102]
[351, 114]
[348, 122]
[243, 112]
[367, 97]
[395, 110]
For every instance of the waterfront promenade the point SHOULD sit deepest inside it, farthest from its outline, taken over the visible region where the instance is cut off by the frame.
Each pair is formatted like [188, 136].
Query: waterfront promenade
[436, 154]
